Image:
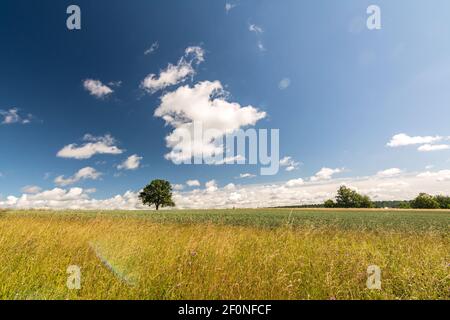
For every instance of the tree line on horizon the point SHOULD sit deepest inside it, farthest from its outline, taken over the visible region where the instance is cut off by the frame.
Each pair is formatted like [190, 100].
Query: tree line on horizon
[348, 198]
[159, 194]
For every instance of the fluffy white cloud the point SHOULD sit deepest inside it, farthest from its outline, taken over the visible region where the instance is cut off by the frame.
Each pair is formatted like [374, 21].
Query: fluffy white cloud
[12, 116]
[284, 84]
[325, 174]
[87, 173]
[204, 104]
[94, 145]
[403, 139]
[132, 163]
[403, 186]
[73, 199]
[389, 172]
[193, 183]
[289, 163]
[177, 187]
[211, 186]
[31, 189]
[96, 88]
[442, 175]
[175, 74]
[433, 147]
[295, 183]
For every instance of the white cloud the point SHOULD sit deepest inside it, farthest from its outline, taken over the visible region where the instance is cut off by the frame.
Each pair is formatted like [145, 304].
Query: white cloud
[94, 145]
[402, 187]
[211, 186]
[193, 183]
[254, 28]
[72, 199]
[31, 189]
[96, 88]
[284, 84]
[389, 172]
[402, 139]
[433, 147]
[86, 173]
[295, 183]
[325, 174]
[132, 163]
[442, 175]
[177, 187]
[204, 104]
[230, 187]
[175, 74]
[12, 116]
[152, 49]
[289, 163]
[246, 175]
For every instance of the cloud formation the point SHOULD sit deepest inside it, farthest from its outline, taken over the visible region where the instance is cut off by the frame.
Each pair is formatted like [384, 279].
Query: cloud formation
[96, 88]
[325, 174]
[87, 173]
[193, 183]
[293, 192]
[175, 74]
[289, 163]
[389, 172]
[131, 163]
[12, 116]
[205, 104]
[94, 145]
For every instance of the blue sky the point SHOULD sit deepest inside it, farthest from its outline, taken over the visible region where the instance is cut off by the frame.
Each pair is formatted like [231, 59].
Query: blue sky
[350, 91]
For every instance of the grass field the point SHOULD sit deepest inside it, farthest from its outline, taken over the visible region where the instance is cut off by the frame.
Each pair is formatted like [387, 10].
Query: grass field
[225, 254]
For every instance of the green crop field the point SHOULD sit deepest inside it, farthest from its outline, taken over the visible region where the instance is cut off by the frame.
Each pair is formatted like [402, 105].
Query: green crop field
[225, 254]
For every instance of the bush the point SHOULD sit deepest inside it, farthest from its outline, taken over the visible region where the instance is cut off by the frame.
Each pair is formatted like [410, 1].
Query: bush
[348, 198]
[425, 201]
[329, 204]
[444, 201]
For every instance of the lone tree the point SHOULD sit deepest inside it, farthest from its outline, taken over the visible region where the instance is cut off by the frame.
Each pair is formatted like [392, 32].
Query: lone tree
[157, 193]
[348, 198]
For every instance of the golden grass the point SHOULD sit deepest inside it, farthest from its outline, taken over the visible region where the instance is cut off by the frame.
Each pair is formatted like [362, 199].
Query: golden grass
[209, 261]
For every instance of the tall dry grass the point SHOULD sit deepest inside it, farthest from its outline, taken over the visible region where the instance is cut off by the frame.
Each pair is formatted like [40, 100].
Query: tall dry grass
[131, 258]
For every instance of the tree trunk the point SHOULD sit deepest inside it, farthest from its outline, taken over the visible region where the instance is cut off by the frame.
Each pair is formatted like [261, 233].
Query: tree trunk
[157, 207]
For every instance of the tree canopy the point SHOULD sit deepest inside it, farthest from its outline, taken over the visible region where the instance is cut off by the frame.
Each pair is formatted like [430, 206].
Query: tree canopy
[426, 201]
[157, 193]
[348, 198]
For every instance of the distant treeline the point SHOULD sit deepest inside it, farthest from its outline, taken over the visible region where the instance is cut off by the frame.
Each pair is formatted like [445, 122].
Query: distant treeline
[395, 204]
[348, 198]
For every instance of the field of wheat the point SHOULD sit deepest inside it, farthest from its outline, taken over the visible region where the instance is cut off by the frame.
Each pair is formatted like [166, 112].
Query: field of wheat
[225, 254]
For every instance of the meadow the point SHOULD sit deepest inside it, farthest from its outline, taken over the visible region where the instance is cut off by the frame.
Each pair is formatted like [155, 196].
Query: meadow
[225, 254]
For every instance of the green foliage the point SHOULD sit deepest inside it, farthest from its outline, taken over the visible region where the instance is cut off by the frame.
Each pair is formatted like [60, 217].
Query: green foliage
[444, 201]
[329, 204]
[157, 193]
[425, 201]
[348, 198]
